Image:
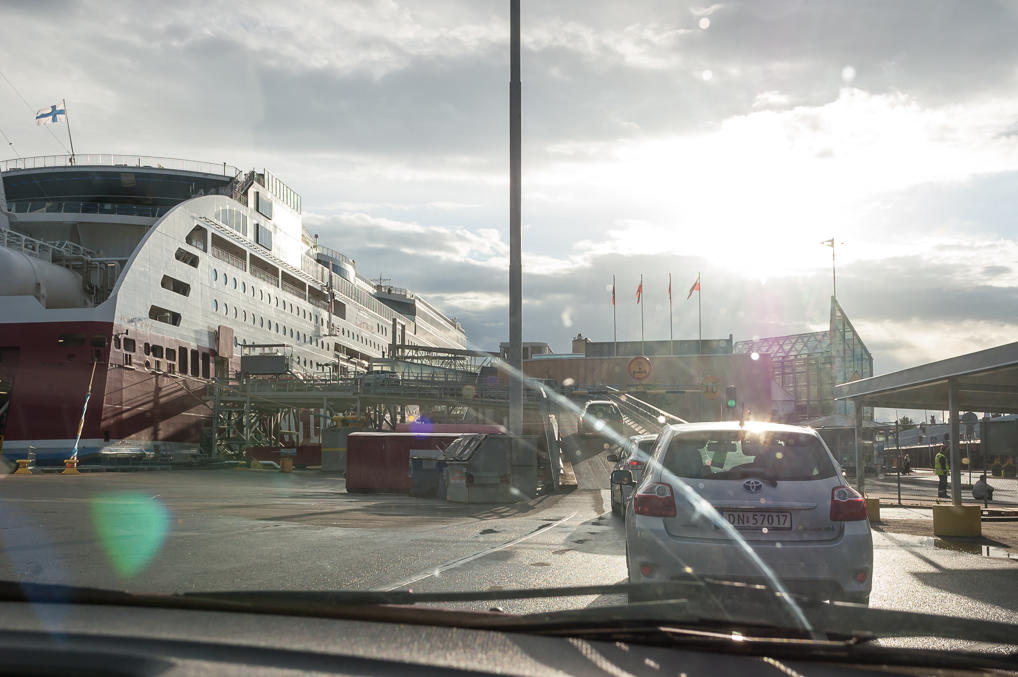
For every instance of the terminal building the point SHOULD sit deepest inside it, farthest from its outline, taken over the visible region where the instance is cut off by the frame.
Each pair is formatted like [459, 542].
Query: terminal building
[808, 366]
[783, 378]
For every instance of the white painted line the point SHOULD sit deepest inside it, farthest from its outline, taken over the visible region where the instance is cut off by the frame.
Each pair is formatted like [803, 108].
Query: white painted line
[477, 555]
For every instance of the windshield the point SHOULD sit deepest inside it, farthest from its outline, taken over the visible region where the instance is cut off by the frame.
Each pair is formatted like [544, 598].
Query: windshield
[371, 296]
[731, 455]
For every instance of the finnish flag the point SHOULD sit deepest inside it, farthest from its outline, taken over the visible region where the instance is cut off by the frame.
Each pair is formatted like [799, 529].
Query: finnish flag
[49, 116]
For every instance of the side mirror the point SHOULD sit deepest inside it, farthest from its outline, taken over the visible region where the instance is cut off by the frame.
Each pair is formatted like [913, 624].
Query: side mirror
[613, 458]
[623, 477]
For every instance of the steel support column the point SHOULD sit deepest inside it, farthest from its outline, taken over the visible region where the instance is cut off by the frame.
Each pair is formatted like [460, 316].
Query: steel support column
[952, 406]
[860, 468]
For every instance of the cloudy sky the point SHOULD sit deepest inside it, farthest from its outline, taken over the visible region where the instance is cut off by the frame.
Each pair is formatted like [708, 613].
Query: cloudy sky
[660, 137]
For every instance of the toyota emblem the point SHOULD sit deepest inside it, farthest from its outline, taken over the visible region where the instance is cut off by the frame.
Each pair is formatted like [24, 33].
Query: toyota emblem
[752, 486]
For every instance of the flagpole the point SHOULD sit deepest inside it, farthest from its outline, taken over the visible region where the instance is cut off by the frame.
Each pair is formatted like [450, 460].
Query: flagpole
[699, 315]
[67, 120]
[671, 325]
[615, 331]
[834, 271]
[643, 347]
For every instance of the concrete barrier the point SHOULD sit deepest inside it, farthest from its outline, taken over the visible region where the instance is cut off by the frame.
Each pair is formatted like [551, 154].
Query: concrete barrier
[957, 520]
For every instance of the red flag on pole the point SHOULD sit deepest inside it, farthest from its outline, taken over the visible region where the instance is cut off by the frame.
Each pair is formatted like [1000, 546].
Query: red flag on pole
[695, 287]
[639, 291]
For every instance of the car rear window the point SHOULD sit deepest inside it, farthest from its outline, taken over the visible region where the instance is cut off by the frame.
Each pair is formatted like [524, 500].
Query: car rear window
[603, 411]
[733, 454]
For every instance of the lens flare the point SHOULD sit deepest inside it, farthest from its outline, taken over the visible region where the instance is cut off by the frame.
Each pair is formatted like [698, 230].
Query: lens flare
[131, 527]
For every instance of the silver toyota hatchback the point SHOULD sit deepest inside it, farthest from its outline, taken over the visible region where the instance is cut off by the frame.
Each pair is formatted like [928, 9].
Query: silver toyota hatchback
[711, 489]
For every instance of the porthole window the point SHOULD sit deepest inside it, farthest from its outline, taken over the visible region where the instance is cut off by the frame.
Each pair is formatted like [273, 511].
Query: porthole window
[234, 283]
[245, 316]
[226, 279]
[215, 275]
[243, 287]
[261, 322]
[235, 312]
[226, 309]
[215, 305]
[261, 295]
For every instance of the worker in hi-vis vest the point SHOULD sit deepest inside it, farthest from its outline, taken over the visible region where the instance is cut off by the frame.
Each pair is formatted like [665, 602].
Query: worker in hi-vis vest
[941, 468]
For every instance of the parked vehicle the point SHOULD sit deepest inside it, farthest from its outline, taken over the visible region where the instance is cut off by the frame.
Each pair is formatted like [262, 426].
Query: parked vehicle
[714, 492]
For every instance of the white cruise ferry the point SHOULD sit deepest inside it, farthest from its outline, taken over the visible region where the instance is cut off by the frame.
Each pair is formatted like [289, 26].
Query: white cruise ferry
[146, 276]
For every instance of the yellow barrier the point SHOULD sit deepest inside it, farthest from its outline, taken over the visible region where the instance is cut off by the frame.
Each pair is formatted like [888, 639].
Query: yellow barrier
[873, 509]
[286, 464]
[23, 468]
[71, 467]
[957, 520]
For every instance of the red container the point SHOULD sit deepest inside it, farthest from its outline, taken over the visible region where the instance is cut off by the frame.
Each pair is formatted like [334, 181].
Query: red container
[381, 461]
[459, 428]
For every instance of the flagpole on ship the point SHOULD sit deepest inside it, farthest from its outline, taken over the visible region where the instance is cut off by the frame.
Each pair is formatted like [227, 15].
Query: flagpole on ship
[67, 119]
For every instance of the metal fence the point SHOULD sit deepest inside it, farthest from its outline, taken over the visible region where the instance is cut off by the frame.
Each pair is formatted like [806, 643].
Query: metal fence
[117, 160]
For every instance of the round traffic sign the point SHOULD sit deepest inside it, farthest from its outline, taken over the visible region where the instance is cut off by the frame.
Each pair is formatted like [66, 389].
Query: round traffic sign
[639, 368]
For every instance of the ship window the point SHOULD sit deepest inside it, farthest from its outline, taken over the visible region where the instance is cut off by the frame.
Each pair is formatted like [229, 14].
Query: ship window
[205, 365]
[261, 295]
[148, 349]
[235, 312]
[98, 341]
[129, 345]
[215, 305]
[171, 355]
[243, 287]
[226, 309]
[164, 315]
[175, 285]
[234, 283]
[157, 351]
[172, 368]
[215, 275]
[128, 358]
[197, 238]
[261, 322]
[245, 316]
[116, 342]
[194, 362]
[182, 354]
[187, 257]
[71, 340]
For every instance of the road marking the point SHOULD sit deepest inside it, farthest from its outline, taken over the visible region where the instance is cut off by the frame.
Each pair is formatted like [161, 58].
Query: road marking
[442, 568]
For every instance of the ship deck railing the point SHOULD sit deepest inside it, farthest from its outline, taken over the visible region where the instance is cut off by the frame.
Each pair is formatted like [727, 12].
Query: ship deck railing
[41, 249]
[118, 160]
[81, 207]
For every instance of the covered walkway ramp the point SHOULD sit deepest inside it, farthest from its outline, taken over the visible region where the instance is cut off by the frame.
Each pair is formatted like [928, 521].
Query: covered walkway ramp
[984, 381]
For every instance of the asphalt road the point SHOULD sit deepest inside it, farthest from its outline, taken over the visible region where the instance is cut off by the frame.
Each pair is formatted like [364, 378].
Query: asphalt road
[228, 530]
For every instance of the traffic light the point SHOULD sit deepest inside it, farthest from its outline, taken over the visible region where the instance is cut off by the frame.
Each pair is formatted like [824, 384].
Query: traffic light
[730, 397]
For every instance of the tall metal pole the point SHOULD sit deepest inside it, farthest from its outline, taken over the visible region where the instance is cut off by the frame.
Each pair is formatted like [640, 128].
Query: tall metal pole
[67, 121]
[515, 236]
[615, 331]
[671, 326]
[834, 271]
[643, 347]
[699, 316]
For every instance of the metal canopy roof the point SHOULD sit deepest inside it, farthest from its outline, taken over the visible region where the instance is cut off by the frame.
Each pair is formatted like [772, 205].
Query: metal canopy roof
[987, 381]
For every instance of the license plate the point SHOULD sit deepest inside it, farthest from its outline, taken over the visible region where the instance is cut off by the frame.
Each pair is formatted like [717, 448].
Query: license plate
[758, 519]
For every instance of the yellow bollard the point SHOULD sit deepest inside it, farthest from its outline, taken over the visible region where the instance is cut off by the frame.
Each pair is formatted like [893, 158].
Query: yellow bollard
[71, 467]
[286, 464]
[23, 468]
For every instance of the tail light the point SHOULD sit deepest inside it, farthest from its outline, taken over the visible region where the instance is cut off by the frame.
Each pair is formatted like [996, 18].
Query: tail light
[635, 464]
[847, 505]
[656, 500]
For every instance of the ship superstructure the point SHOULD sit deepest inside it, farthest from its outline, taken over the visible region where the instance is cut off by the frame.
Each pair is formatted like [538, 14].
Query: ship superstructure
[146, 275]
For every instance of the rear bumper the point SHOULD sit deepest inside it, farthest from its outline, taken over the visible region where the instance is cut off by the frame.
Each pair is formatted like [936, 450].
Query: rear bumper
[823, 569]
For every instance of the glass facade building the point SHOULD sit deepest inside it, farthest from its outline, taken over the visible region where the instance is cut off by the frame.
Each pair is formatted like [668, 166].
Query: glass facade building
[808, 366]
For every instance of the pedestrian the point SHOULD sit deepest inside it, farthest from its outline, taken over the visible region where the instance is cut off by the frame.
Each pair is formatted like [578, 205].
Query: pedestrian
[941, 468]
[908, 465]
[981, 490]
